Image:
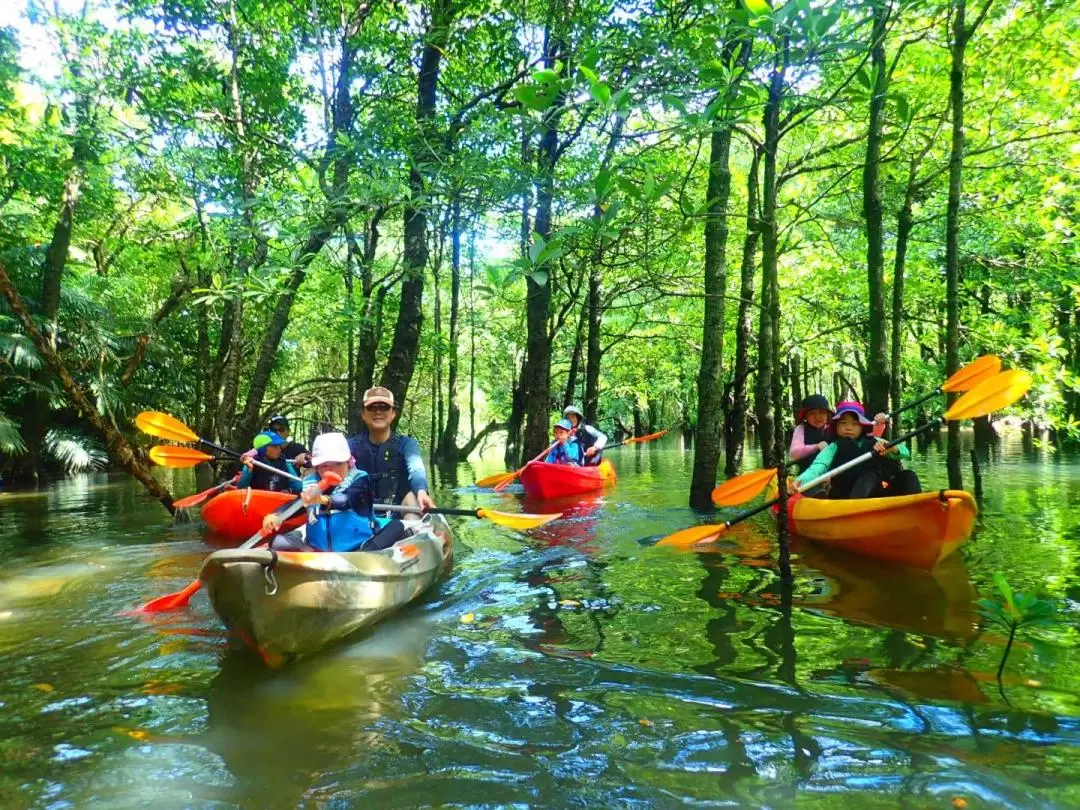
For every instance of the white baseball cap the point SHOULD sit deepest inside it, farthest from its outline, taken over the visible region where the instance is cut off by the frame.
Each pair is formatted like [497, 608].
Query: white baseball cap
[330, 447]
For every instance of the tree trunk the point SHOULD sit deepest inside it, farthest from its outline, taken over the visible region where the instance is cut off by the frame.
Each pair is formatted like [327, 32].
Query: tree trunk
[878, 380]
[904, 224]
[960, 35]
[575, 356]
[735, 427]
[80, 400]
[710, 415]
[448, 441]
[535, 378]
[768, 337]
[406, 344]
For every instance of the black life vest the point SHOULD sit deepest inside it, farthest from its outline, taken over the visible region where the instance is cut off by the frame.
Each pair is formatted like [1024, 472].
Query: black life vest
[811, 435]
[848, 449]
[264, 479]
[385, 466]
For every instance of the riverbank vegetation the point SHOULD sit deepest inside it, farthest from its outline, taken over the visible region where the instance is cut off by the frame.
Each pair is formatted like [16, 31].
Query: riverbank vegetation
[673, 213]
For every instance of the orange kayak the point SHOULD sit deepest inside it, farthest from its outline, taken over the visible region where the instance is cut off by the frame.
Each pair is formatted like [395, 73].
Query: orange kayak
[915, 530]
[543, 480]
[235, 515]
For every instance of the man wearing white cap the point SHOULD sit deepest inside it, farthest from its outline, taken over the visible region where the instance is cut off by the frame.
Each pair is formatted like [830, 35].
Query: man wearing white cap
[392, 460]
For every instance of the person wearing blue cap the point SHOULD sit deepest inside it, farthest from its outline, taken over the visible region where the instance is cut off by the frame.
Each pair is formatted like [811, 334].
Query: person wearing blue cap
[268, 449]
[566, 449]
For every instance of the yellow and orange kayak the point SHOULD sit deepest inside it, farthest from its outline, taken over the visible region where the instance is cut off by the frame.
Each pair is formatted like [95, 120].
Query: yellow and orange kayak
[917, 530]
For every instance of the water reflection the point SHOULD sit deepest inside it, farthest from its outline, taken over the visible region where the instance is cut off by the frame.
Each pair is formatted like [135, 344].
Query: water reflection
[569, 666]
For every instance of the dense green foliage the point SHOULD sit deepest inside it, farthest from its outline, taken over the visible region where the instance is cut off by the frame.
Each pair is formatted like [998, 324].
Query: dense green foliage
[237, 178]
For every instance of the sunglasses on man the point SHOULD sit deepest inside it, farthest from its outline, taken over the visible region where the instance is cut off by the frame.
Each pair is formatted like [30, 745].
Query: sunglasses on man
[377, 407]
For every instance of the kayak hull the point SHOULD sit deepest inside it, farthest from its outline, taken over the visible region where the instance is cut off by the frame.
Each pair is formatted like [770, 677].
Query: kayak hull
[236, 515]
[300, 602]
[542, 480]
[918, 530]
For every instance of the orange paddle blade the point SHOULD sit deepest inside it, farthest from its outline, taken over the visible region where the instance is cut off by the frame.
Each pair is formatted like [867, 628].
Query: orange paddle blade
[694, 535]
[991, 395]
[973, 373]
[742, 488]
[494, 480]
[499, 487]
[648, 438]
[179, 457]
[156, 423]
[170, 601]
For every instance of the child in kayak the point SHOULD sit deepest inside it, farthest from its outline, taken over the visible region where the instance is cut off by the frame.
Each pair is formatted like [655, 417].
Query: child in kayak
[267, 447]
[590, 439]
[875, 478]
[566, 449]
[811, 434]
[343, 519]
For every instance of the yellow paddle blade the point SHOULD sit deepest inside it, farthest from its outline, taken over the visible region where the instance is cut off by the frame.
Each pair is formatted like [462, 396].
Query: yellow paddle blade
[168, 456]
[648, 438]
[991, 395]
[519, 521]
[495, 480]
[694, 535]
[973, 373]
[164, 426]
[742, 488]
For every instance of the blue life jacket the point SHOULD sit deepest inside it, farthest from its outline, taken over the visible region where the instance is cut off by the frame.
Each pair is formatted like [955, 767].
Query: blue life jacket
[568, 453]
[341, 529]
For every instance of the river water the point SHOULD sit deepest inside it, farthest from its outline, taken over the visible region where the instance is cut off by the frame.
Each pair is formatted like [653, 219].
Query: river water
[573, 666]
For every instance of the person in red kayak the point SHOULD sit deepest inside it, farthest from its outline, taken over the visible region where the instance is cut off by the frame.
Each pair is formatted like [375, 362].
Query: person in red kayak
[591, 439]
[294, 452]
[566, 449]
[268, 448]
[876, 478]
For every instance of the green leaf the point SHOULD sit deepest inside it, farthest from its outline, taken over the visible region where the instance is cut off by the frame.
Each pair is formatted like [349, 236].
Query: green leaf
[903, 109]
[588, 74]
[602, 184]
[600, 92]
[545, 76]
[1006, 593]
[649, 185]
[674, 102]
[863, 77]
[759, 8]
[537, 248]
[539, 278]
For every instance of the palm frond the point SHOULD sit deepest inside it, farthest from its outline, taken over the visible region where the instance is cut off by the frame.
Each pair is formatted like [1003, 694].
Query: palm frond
[10, 439]
[74, 451]
[19, 351]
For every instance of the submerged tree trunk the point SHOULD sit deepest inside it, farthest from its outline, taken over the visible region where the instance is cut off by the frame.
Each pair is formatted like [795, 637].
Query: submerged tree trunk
[878, 380]
[961, 34]
[448, 440]
[904, 224]
[535, 378]
[768, 337]
[406, 344]
[710, 415]
[735, 426]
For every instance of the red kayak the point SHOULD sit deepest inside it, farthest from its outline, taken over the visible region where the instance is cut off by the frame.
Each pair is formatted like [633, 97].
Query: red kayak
[235, 515]
[543, 480]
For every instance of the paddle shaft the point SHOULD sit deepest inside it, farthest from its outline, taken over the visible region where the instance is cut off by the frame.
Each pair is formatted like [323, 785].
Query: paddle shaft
[639, 440]
[855, 462]
[503, 485]
[402, 508]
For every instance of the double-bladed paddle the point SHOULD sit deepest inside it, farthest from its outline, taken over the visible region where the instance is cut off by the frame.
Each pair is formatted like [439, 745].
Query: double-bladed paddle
[181, 598]
[746, 487]
[988, 396]
[168, 427]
